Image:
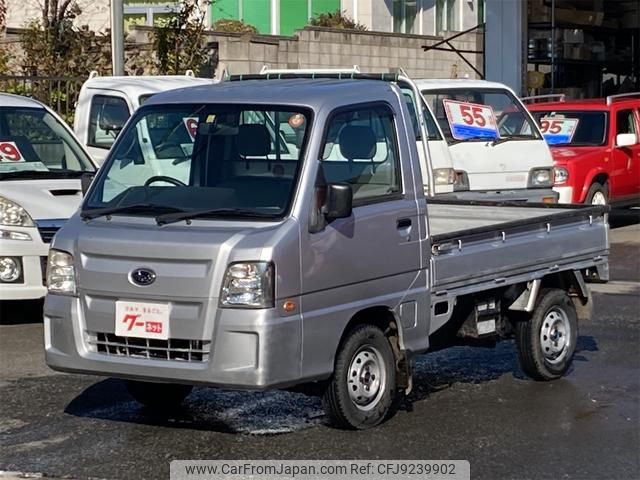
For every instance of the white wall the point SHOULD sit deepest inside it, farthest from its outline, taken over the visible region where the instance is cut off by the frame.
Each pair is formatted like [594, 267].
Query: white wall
[95, 13]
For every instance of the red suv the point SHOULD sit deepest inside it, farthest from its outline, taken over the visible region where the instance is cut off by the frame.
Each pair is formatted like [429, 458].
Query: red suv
[595, 146]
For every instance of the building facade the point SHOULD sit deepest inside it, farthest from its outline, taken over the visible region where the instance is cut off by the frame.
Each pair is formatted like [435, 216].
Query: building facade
[281, 17]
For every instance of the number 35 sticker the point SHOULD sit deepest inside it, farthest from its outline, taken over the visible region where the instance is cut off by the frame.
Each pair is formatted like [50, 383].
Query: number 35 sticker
[558, 130]
[9, 152]
[470, 120]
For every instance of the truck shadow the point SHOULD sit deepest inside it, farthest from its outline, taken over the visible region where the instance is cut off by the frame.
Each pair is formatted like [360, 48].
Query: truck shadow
[624, 217]
[15, 312]
[278, 412]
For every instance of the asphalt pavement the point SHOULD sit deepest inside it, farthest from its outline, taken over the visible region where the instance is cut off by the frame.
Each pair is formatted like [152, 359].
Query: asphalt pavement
[472, 404]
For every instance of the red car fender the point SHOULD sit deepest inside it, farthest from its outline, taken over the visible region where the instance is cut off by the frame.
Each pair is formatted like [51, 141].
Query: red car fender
[589, 180]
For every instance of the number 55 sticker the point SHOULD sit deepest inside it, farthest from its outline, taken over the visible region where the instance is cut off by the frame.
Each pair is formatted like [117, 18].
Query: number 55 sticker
[558, 130]
[470, 120]
[9, 152]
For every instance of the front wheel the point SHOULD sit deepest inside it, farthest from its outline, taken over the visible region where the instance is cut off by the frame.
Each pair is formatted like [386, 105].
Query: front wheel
[547, 340]
[158, 396]
[362, 390]
[598, 194]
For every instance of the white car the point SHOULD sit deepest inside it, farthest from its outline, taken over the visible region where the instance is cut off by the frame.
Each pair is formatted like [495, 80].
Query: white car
[41, 163]
[495, 144]
[106, 103]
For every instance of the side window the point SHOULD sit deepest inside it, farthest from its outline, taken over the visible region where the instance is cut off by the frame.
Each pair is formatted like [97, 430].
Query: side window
[360, 148]
[625, 123]
[106, 118]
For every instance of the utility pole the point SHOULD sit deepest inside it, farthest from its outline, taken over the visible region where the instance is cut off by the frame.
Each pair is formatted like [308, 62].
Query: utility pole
[117, 36]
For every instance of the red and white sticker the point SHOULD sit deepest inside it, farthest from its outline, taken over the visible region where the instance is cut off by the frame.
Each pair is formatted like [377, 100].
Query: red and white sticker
[10, 153]
[470, 120]
[558, 130]
[142, 320]
[191, 124]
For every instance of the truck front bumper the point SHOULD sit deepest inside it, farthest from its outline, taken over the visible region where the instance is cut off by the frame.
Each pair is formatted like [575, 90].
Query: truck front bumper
[250, 349]
[534, 195]
[30, 256]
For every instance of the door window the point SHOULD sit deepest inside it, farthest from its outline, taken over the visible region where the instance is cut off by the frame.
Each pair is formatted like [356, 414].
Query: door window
[107, 116]
[625, 123]
[360, 148]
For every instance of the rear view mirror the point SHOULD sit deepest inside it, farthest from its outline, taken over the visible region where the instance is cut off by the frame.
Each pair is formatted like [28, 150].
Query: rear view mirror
[85, 181]
[626, 139]
[339, 201]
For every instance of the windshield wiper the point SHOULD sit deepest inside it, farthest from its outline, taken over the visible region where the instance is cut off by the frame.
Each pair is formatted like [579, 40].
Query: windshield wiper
[470, 139]
[226, 212]
[136, 207]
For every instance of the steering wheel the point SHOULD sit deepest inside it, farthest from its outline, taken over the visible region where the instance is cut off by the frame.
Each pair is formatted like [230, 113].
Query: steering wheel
[164, 178]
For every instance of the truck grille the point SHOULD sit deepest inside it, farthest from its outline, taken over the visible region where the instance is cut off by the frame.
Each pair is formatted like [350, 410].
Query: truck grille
[172, 349]
[48, 228]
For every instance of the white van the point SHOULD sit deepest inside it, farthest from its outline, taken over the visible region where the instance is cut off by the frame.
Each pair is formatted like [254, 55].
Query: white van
[41, 166]
[106, 103]
[496, 147]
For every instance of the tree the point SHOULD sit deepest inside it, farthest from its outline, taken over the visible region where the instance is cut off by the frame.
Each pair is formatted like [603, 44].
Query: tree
[180, 43]
[337, 19]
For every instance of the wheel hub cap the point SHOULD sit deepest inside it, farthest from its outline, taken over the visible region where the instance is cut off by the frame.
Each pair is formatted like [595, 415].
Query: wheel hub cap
[366, 378]
[555, 335]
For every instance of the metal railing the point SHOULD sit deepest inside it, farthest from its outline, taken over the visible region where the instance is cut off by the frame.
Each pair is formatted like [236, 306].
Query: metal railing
[58, 93]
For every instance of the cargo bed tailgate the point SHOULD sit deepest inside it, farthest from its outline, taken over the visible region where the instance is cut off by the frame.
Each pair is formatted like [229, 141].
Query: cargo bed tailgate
[500, 244]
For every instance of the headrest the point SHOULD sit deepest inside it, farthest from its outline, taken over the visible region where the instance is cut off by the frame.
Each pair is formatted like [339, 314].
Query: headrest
[253, 140]
[357, 142]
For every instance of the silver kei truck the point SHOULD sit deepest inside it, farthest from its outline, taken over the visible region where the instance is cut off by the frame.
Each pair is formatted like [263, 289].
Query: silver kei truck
[211, 251]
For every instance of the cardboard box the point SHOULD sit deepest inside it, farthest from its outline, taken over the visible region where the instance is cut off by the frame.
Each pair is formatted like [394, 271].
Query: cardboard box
[578, 17]
[538, 11]
[631, 19]
[574, 35]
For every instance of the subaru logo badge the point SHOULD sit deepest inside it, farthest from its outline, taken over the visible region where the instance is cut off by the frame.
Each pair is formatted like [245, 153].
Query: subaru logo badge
[142, 276]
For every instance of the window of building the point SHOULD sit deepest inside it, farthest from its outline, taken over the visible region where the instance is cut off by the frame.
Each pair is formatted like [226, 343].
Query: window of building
[404, 16]
[446, 19]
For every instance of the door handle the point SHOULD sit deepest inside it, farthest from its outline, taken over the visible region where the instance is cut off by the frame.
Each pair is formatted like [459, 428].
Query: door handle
[403, 223]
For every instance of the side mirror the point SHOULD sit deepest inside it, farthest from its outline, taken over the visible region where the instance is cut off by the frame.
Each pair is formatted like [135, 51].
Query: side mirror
[339, 202]
[85, 181]
[114, 125]
[626, 139]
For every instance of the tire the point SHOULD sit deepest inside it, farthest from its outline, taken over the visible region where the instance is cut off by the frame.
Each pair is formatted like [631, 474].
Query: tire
[158, 396]
[547, 339]
[364, 360]
[596, 192]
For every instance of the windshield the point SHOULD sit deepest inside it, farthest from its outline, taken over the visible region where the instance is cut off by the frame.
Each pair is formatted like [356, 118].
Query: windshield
[34, 144]
[475, 115]
[205, 157]
[590, 128]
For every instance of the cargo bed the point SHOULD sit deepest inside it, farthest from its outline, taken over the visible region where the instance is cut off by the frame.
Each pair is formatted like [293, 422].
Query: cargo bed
[477, 246]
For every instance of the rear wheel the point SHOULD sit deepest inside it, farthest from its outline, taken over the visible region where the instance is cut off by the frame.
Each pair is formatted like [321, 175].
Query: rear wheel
[158, 396]
[598, 194]
[547, 340]
[363, 388]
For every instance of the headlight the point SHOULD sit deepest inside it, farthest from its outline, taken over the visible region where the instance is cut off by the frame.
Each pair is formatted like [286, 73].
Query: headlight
[561, 175]
[13, 214]
[444, 176]
[461, 182]
[248, 284]
[541, 177]
[10, 269]
[13, 235]
[61, 275]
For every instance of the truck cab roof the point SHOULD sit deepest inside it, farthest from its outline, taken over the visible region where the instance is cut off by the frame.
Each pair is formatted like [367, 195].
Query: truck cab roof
[440, 83]
[133, 86]
[312, 93]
